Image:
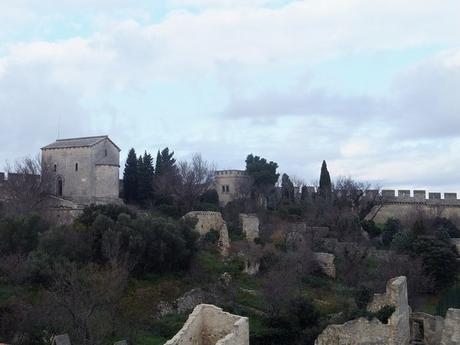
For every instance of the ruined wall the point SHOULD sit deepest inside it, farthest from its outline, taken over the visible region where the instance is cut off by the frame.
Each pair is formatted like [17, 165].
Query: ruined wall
[250, 226]
[208, 221]
[210, 325]
[355, 332]
[365, 332]
[426, 328]
[451, 331]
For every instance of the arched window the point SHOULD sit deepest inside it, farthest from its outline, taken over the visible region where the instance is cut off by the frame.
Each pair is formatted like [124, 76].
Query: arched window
[76, 166]
[59, 186]
[105, 152]
[55, 167]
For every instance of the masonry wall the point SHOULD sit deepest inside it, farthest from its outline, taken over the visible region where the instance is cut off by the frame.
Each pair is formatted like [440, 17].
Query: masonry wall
[238, 183]
[210, 325]
[107, 182]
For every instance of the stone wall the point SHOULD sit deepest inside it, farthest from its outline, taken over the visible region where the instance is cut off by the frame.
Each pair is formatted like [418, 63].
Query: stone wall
[426, 328]
[208, 221]
[451, 331]
[365, 332]
[210, 325]
[250, 226]
[355, 332]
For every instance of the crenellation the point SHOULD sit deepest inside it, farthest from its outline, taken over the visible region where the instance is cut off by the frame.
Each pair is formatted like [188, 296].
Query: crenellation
[388, 193]
[450, 196]
[404, 193]
[419, 194]
[434, 196]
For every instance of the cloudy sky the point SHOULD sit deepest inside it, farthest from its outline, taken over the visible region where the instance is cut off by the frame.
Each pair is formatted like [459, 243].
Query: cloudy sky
[373, 87]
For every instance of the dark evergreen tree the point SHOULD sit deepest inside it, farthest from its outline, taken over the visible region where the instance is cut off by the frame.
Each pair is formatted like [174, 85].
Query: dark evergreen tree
[287, 188]
[130, 177]
[145, 178]
[166, 177]
[325, 184]
[263, 172]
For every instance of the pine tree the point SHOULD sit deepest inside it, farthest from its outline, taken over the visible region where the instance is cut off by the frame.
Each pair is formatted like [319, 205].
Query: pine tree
[130, 177]
[325, 184]
[165, 164]
[145, 178]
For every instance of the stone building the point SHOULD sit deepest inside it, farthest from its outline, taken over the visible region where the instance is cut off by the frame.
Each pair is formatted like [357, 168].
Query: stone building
[83, 170]
[231, 185]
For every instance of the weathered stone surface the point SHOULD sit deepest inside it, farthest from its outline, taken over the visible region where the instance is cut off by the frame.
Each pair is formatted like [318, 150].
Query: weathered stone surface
[210, 325]
[190, 300]
[62, 339]
[326, 262]
[250, 226]
[451, 331]
[355, 332]
[426, 328]
[251, 267]
[365, 332]
[208, 221]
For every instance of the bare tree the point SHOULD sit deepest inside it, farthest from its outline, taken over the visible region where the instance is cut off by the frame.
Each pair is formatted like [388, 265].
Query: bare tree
[196, 177]
[82, 301]
[29, 181]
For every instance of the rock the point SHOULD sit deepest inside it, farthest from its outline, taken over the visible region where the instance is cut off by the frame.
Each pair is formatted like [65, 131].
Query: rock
[225, 278]
[326, 262]
[190, 300]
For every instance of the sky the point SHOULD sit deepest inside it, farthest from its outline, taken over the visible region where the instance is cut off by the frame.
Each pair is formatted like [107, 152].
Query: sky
[372, 87]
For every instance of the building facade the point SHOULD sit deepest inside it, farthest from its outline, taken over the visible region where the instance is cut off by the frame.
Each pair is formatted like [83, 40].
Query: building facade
[84, 170]
[231, 185]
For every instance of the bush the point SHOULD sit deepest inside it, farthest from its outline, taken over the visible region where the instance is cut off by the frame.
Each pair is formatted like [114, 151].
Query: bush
[363, 296]
[439, 260]
[444, 224]
[19, 235]
[371, 228]
[392, 227]
[111, 211]
[212, 236]
[385, 313]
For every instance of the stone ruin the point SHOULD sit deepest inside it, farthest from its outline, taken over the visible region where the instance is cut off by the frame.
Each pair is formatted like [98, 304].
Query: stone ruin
[210, 325]
[208, 221]
[403, 327]
[250, 226]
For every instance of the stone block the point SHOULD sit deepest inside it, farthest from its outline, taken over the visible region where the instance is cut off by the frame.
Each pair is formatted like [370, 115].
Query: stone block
[372, 193]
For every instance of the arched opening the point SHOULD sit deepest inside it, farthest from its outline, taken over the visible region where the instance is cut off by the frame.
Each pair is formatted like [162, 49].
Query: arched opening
[76, 166]
[59, 186]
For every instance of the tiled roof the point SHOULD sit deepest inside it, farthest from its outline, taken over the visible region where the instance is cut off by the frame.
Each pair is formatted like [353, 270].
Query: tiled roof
[76, 142]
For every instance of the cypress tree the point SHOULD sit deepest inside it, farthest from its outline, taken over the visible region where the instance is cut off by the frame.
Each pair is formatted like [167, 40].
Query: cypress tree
[145, 178]
[325, 184]
[130, 177]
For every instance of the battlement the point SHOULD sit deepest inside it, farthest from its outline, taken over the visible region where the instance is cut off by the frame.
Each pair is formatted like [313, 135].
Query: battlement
[230, 173]
[419, 196]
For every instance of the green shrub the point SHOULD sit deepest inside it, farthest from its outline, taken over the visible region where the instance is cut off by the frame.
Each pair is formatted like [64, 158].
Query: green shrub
[384, 313]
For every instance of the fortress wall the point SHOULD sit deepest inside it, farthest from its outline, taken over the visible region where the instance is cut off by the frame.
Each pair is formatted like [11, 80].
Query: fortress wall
[381, 213]
[451, 331]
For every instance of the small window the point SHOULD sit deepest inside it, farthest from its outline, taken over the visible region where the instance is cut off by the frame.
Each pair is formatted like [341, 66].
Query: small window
[227, 188]
[105, 152]
[223, 189]
[76, 166]
[55, 167]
